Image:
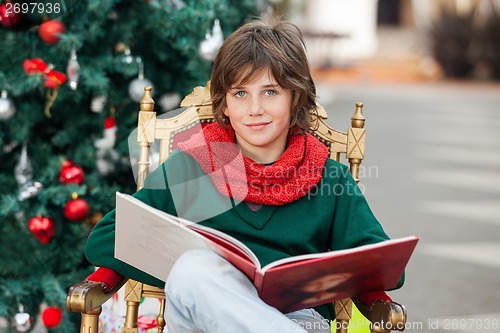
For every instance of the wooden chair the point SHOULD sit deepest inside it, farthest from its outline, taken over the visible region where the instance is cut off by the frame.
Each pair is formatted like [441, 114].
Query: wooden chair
[88, 296]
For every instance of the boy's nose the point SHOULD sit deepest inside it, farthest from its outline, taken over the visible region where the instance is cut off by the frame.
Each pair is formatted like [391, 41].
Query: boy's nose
[255, 108]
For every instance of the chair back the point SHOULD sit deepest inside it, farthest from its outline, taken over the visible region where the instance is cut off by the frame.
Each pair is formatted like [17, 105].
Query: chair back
[169, 131]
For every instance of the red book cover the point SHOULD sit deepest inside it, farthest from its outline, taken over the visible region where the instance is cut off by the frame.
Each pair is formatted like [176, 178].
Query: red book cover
[327, 277]
[288, 284]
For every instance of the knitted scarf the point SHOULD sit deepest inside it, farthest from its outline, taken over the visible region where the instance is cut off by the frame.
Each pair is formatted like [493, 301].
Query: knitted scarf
[292, 176]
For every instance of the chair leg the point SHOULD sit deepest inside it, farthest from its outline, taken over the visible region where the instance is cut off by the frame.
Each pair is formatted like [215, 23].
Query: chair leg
[342, 326]
[160, 319]
[90, 321]
[343, 313]
[131, 318]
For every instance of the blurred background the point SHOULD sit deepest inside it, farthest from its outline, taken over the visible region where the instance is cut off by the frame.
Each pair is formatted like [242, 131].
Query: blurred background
[427, 72]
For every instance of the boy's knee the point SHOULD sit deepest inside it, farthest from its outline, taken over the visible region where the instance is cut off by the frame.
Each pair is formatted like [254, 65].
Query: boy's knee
[193, 268]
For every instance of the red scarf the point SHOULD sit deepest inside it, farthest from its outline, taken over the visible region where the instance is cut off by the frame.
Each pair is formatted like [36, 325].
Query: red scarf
[292, 176]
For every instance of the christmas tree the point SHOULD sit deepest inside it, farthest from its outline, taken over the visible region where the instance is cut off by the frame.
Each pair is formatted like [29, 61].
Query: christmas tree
[71, 75]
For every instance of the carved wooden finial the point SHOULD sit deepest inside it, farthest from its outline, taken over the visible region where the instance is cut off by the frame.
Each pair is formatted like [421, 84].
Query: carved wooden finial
[200, 96]
[147, 103]
[358, 119]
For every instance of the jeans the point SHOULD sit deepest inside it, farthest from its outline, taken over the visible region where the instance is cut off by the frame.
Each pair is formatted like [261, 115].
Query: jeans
[205, 293]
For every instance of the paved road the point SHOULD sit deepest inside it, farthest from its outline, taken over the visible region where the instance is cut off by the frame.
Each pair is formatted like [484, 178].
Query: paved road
[432, 169]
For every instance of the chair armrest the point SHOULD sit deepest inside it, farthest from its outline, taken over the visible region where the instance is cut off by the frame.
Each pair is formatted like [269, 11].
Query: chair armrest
[94, 291]
[385, 316]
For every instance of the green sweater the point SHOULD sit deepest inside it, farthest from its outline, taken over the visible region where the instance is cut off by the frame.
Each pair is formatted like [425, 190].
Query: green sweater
[334, 215]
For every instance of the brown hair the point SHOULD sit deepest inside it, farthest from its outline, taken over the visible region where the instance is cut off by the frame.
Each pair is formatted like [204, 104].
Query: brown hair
[260, 45]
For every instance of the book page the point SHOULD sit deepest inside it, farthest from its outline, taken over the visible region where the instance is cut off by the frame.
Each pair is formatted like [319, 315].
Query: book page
[152, 240]
[227, 241]
[147, 240]
[291, 260]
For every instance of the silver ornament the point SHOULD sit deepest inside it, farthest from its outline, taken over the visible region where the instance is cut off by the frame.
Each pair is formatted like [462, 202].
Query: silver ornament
[22, 321]
[23, 172]
[212, 42]
[136, 86]
[73, 70]
[7, 107]
[169, 101]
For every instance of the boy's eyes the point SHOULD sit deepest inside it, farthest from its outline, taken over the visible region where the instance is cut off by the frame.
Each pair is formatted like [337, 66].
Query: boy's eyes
[269, 92]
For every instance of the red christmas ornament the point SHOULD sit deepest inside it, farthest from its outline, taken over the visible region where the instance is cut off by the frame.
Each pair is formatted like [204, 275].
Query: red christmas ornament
[71, 173]
[51, 316]
[8, 16]
[42, 228]
[76, 210]
[50, 30]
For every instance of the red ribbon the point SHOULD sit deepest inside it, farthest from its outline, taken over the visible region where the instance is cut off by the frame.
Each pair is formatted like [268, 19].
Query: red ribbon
[53, 79]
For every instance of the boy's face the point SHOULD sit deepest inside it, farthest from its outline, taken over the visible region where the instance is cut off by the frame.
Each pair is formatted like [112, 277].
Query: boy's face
[259, 111]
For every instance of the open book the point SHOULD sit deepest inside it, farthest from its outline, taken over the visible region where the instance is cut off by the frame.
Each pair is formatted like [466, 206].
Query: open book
[152, 240]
